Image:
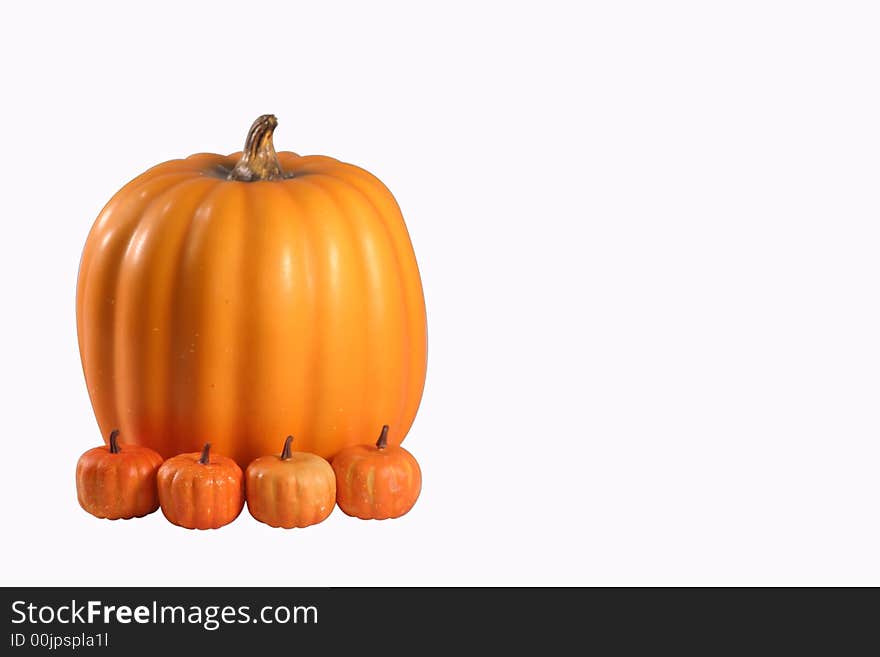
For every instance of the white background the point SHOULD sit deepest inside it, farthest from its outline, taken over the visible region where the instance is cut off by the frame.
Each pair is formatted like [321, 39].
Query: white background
[648, 234]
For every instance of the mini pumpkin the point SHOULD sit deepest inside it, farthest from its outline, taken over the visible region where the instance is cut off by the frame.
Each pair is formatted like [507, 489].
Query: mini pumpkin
[296, 489]
[118, 481]
[376, 482]
[201, 490]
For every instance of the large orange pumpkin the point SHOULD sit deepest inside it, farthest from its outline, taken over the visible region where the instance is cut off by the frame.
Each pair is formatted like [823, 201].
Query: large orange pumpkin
[237, 298]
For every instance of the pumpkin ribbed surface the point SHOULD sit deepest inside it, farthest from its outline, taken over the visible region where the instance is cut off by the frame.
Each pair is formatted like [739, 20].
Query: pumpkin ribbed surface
[198, 491]
[376, 483]
[294, 492]
[119, 482]
[229, 311]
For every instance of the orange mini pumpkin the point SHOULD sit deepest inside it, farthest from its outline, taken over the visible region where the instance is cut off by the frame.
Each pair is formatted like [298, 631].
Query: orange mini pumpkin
[118, 481]
[249, 296]
[376, 482]
[296, 489]
[201, 490]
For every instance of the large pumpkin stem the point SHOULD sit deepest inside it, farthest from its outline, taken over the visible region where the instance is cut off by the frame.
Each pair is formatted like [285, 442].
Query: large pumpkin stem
[285, 453]
[259, 161]
[205, 458]
[114, 441]
[382, 443]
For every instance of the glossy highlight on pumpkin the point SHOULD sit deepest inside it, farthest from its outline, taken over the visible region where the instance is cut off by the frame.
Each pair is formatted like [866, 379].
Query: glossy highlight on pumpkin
[224, 296]
[377, 483]
[118, 481]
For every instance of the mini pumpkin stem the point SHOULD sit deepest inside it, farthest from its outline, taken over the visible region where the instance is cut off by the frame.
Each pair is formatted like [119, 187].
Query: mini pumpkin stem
[285, 453]
[114, 441]
[259, 161]
[382, 443]
[205, 458]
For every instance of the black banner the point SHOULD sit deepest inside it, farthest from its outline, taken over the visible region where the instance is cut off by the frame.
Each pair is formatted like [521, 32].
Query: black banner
[123, 620]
